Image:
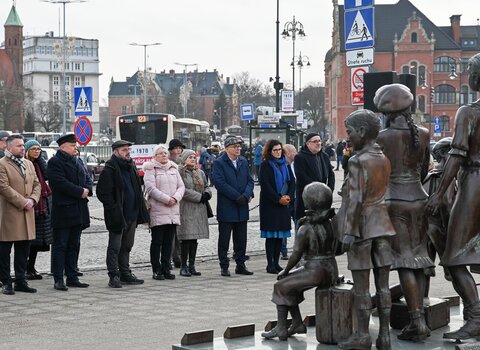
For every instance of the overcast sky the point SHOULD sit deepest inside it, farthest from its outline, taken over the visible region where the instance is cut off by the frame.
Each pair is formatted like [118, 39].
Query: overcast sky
[231, 36]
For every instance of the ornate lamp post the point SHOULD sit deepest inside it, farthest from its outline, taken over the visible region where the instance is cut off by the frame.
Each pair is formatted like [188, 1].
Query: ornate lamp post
[185, 92]
[145, 71]
[64, 50]
[300, 61]
[291, 29]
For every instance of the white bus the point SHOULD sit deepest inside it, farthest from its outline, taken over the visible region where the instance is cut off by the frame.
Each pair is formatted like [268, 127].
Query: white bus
[147, 130]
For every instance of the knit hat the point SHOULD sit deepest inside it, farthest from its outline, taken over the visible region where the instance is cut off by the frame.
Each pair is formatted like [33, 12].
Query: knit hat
[30, 143]
[311, 135]
[185, 154]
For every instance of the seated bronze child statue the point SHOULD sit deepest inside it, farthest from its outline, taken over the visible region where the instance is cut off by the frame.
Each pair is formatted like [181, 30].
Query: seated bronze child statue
[317, 243]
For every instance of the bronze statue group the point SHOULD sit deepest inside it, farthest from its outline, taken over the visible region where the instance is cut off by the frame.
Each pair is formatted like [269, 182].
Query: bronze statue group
[395, 215]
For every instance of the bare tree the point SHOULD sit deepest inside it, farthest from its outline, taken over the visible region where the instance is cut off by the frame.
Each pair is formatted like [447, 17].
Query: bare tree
[251, 90]
[49, 116]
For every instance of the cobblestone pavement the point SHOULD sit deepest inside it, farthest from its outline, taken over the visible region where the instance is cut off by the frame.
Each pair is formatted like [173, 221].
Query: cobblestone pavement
[154, 315]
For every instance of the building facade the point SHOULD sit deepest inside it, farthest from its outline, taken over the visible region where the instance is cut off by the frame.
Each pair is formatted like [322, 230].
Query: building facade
[43, 74]
[165, 94]
[408, 42]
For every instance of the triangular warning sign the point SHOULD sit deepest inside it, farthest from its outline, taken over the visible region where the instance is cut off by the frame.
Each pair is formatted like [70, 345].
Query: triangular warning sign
[82, 104]
[359, 31]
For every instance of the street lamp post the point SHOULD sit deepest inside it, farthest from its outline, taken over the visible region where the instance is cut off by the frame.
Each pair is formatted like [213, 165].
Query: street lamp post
[135, 96]
[300, 61]
[145, 71]
[64, 49]
[185, 97]
[424, 86]
[291, 29]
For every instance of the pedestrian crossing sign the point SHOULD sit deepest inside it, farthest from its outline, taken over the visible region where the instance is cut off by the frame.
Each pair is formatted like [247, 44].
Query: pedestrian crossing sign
[83, 101]
[359, 29]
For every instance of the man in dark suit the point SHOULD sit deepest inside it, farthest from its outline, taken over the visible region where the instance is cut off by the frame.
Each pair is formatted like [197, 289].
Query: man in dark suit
[311, 164]
[234, 183]
[71, 185]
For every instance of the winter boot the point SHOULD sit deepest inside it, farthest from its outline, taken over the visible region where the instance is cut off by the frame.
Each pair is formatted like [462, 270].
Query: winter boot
[192, 255]
[280, 330]
[114, 281]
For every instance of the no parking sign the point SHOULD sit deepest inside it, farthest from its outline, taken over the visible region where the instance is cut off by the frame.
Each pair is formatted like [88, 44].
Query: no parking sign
[83, 131]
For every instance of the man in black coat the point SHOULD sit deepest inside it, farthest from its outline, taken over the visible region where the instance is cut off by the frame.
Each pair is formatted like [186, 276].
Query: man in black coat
[311, 164]
[71, 185]
[119, 189]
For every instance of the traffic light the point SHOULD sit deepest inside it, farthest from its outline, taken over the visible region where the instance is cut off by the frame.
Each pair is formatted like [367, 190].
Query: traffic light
[432, 93]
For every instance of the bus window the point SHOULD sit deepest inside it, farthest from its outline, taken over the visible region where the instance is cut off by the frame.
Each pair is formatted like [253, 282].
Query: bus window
[152, 131]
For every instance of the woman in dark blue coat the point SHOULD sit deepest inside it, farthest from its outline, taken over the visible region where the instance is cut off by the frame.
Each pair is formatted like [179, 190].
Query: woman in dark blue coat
[277, 186]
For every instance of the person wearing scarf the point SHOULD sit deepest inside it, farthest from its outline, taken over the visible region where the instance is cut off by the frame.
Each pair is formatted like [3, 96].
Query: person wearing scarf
[43, 228]
[193, 212]
[277, 186]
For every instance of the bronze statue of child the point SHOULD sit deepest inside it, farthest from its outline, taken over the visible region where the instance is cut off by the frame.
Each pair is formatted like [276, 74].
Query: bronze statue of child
[317, 243]
[438, 222]
[367, 228]
[406, 145]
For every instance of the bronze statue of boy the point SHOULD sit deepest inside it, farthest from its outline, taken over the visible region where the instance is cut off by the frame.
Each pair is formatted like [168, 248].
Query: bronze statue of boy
[463, 238]
[367, 228]
[406, 145]
[317, 243]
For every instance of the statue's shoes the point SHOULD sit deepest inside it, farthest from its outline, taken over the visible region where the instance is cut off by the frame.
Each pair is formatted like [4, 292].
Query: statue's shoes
[471, 329]
[282, 334]
[297, 329]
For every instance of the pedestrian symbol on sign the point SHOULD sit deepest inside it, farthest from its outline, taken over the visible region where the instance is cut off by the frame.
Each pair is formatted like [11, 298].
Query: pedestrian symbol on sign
[82, 105]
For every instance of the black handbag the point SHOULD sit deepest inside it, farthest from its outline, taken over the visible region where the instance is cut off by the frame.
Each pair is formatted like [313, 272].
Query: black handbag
[209, 210]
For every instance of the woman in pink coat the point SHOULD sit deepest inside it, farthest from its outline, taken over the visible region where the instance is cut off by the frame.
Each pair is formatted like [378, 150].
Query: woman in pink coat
[165, 189]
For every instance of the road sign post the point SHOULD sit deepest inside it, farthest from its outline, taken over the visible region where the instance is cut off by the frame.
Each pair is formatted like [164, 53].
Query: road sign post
[83, 101]
[247, 111]
[83, 131]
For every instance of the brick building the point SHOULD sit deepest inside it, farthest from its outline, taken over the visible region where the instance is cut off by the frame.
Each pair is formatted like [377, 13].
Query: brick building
[164, 95]
[407, 42]
[11, 71]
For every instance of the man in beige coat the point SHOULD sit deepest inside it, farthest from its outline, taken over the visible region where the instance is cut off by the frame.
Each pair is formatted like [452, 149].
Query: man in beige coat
[19, 192]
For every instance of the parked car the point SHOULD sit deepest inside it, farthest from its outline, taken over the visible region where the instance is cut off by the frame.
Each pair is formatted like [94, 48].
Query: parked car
[93, 164]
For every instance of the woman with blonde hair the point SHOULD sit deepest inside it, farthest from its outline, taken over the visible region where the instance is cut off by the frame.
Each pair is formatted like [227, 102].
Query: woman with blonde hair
[165, 189]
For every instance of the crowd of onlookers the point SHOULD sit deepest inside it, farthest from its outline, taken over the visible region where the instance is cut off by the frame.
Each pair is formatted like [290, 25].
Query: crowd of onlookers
[172, 198]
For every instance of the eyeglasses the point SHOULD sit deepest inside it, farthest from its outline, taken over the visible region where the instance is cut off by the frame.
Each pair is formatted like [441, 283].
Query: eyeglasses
[235, 147]
[277, 150]
[35, 149]
[315, 141]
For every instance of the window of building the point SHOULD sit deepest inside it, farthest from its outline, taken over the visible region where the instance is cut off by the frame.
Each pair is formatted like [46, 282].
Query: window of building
[414, 68]
[443, 64]
[444, 94]
[445, 123]
[421, 102]
[472, 97]
[56, 80]
[67, 95]
[55, 65]
[124, 110]
[463, 95]
[422, 76]
[77, 66]
[78, 80]
[405, 69]
[67, 81]
[414, 37]
[55, 96]
[464, 63]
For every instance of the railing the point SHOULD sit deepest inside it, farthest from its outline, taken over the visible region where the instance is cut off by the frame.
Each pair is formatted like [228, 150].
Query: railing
[102, 152]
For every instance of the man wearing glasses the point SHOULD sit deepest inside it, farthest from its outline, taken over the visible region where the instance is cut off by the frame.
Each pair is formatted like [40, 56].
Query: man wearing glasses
[3, 142]
[311, 164]
[234, 184]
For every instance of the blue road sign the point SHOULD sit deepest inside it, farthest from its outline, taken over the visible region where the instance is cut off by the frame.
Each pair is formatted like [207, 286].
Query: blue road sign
[437, 127]
[359, 28]
[83, 100]
[268, 126]
[247, 111]
[353, 4]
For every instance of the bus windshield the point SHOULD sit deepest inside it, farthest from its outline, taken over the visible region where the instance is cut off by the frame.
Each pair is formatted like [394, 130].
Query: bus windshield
[144, 129]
